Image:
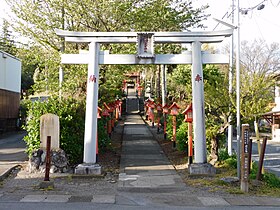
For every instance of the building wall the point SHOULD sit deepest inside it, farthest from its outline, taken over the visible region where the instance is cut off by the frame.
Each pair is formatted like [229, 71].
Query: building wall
[10, 86]
[10, 72]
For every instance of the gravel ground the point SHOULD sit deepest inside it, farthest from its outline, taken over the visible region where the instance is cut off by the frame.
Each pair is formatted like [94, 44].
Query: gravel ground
[22, 182]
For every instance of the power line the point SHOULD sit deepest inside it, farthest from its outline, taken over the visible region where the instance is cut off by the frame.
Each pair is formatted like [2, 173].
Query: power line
[274, 4]
[259, 6]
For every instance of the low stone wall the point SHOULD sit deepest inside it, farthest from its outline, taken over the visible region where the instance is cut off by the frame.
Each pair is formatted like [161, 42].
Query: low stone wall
[59, 162]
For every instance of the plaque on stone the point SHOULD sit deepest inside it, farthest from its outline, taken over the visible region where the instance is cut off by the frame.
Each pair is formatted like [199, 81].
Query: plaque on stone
[49, 126]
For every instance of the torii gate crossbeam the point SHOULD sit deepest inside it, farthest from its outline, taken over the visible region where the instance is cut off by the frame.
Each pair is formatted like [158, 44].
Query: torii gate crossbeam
[94, 57]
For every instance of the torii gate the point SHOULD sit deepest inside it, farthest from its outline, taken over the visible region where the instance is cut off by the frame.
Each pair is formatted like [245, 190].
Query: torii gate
[145, 42]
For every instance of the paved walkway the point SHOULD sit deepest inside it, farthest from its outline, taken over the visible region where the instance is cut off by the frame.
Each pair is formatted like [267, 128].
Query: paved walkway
[12, 153]
[143, 163]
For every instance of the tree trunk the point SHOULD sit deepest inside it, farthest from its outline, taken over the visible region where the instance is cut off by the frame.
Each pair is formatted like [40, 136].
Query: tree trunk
[214, 150]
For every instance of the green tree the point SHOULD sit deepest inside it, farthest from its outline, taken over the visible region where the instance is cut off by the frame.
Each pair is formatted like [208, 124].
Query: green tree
[259, 70]
[38, 19]
[7, 42]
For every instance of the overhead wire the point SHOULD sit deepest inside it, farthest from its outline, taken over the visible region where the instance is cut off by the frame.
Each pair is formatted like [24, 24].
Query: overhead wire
[274, 4]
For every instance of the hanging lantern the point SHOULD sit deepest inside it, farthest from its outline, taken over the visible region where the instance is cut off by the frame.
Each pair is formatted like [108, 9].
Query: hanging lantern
[152, 104]
[165, 109]
[188, 114]
[159, 107]
[174, 109]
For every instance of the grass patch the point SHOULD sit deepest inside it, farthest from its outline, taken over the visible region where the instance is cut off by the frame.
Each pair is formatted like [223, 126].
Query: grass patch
[235, 191]
[268, 186]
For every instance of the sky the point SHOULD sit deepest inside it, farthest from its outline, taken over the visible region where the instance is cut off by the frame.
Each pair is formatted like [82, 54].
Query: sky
[257, 24]
[264, 24]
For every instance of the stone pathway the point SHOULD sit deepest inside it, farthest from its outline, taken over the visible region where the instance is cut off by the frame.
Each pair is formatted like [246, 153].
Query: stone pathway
[143, 163]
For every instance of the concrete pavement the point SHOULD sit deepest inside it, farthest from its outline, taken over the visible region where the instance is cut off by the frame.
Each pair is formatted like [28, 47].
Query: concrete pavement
[12, 153]
[143, 163]
[271, 158]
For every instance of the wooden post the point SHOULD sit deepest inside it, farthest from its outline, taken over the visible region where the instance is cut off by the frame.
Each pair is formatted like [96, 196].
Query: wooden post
[174, 131]
[117, 113]
[109, 127]
[250, 154]
[48, 159]
[153, 117]
[158, 121]
[258, 140]
[164, 127]
[245, 164]
[190, 153]
[259, 174]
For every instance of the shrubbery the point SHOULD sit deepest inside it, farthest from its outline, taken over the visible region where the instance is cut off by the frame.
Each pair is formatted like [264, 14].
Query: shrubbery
[71, 114]
[181, 132]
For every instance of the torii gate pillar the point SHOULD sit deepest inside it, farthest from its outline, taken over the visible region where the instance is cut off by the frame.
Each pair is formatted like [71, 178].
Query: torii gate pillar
[89, 166]
[200, 165]
[198, 104]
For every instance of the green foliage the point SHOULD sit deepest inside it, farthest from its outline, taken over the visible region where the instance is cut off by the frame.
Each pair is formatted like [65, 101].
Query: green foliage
[270, 179]
[37, 20]
[179, 83]
[181, 131]
[231, 162]
[253, 171]
[7, 42]
[226, 160]
[182, 137]
[223, 154]
[103, 139]
[71, 116]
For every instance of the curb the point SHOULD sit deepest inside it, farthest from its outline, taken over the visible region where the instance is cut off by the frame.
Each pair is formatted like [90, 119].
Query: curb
[7, 172]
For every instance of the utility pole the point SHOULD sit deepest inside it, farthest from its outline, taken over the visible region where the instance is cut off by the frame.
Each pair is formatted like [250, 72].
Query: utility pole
[62, 49]
[238, 89]
[230, 77]
[158, 83]
[163, 84]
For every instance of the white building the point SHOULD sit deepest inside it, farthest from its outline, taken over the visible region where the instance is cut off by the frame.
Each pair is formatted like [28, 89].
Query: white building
[10, 88]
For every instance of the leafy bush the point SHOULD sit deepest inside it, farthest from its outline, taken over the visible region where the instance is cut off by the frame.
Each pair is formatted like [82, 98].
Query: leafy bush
[182, 137]
[231, 161]
[271, 180]
[226, 159]
[103, 139]
[181, 131]
[223, 154]
[71, 114]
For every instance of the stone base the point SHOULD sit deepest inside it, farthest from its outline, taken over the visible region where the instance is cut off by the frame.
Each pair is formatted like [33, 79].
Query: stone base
[88, 169]
[201, 169]
[47, 185]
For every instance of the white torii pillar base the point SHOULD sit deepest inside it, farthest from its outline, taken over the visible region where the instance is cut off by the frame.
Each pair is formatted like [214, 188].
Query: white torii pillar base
[88, 169]
[201, 169]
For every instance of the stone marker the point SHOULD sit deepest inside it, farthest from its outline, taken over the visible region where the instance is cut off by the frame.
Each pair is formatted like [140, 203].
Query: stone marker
[49, 126]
